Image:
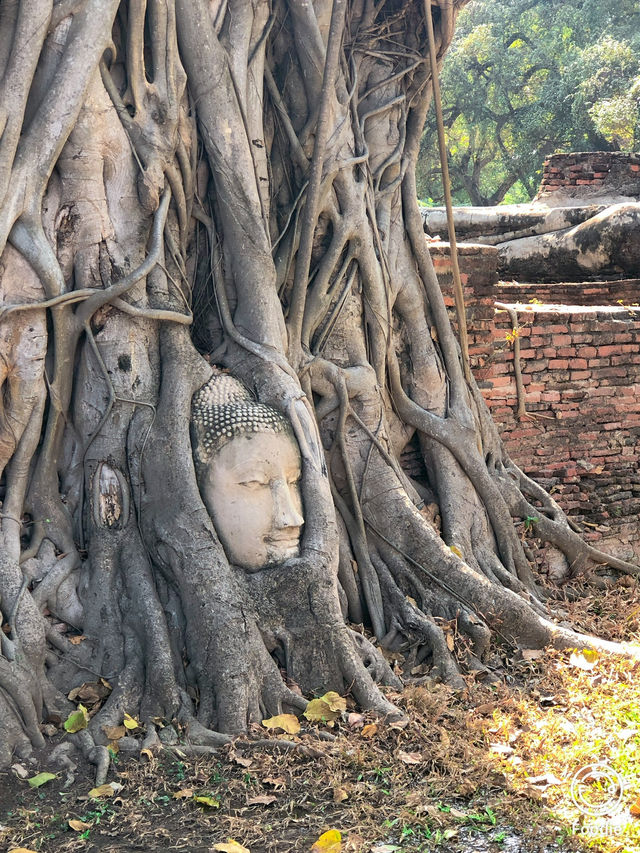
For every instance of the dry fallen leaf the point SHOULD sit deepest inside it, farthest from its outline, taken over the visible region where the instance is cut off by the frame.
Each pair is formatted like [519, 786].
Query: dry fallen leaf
[584, 659]
[184, 794]
[329, 842]
[369, 730]
[107, 790]
[90, 692]
[635, 808]
[327, 708]
[20, 771]
[79, 825]
[75, 641]
[21, 850]
[278, 782]
[501, 749]
[231, 847]
[545, 781]
[532, 654]
[287, 722]
[130, 722]
[242, 760]
[409, 757]
[261, 800]
[114, 732]
[339, 795]
[77, 720]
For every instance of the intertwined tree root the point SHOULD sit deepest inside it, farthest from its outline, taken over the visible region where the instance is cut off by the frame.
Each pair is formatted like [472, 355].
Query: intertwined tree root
[237, 180]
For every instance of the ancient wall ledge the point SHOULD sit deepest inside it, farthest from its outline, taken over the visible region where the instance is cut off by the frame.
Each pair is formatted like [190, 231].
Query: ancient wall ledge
[616, 171]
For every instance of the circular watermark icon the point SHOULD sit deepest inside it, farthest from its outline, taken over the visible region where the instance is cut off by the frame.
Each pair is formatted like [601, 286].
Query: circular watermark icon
[597, 790]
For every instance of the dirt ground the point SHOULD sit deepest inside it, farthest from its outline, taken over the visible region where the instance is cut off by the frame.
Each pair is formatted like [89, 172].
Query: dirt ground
[485, 770]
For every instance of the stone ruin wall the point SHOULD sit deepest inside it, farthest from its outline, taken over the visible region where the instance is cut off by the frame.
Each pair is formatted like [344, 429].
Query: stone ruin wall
[591, 172]
[580, 364]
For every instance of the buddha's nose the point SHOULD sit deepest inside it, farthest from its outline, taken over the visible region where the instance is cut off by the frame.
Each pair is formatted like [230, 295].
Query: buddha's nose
[285, 510]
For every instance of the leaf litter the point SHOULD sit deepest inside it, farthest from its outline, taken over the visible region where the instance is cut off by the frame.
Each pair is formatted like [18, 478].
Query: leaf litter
[460, 768]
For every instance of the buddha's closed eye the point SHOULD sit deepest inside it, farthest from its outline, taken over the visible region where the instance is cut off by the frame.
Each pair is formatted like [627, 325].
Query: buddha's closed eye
[254, 484]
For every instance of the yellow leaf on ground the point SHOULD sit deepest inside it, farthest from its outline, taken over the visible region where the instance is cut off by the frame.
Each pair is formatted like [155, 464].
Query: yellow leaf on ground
[79, 825]
[635, 808]
[107, 790]
[584, 659]
[456, 551]
[287, 722]
[77, 720]
[231, 847]
[335, 701]
[327, 708]
[207, 801]
[329, 842]
[21, 850]
[130, 722]
[369, 730]
[318, 711]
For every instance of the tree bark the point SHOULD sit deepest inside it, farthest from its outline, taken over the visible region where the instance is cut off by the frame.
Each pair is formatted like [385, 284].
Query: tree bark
[194, 182]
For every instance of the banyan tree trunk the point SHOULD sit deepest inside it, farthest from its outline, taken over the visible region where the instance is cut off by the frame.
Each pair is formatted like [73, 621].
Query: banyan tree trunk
[183, 183]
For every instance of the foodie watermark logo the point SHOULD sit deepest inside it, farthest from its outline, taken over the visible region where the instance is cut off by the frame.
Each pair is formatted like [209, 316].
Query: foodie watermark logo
[597, 790]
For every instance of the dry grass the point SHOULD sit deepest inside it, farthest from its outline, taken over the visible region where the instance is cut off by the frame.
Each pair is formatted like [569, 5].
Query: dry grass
[472, 772]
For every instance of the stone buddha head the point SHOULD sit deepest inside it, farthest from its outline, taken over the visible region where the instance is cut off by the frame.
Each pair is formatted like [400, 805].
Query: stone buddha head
[248, 467]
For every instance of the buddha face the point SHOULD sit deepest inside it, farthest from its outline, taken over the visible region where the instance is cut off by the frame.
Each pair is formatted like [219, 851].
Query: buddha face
[251, 489]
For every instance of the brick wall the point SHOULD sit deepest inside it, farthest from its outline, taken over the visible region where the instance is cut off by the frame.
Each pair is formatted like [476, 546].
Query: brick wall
[592, 170]
[478, 273]
[581, 372]
[621, 292]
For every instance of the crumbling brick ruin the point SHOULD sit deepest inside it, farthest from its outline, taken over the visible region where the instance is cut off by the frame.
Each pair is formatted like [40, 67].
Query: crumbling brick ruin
[580, 366]
[595, 171]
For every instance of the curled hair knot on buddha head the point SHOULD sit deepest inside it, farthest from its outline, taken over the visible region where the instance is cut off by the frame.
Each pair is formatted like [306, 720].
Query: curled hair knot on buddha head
[223, 409]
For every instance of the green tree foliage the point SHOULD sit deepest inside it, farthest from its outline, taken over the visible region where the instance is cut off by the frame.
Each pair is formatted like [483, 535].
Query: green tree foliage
[526, 78]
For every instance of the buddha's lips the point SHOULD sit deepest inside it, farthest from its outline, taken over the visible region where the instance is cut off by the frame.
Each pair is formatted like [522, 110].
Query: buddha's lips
[284, 540]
